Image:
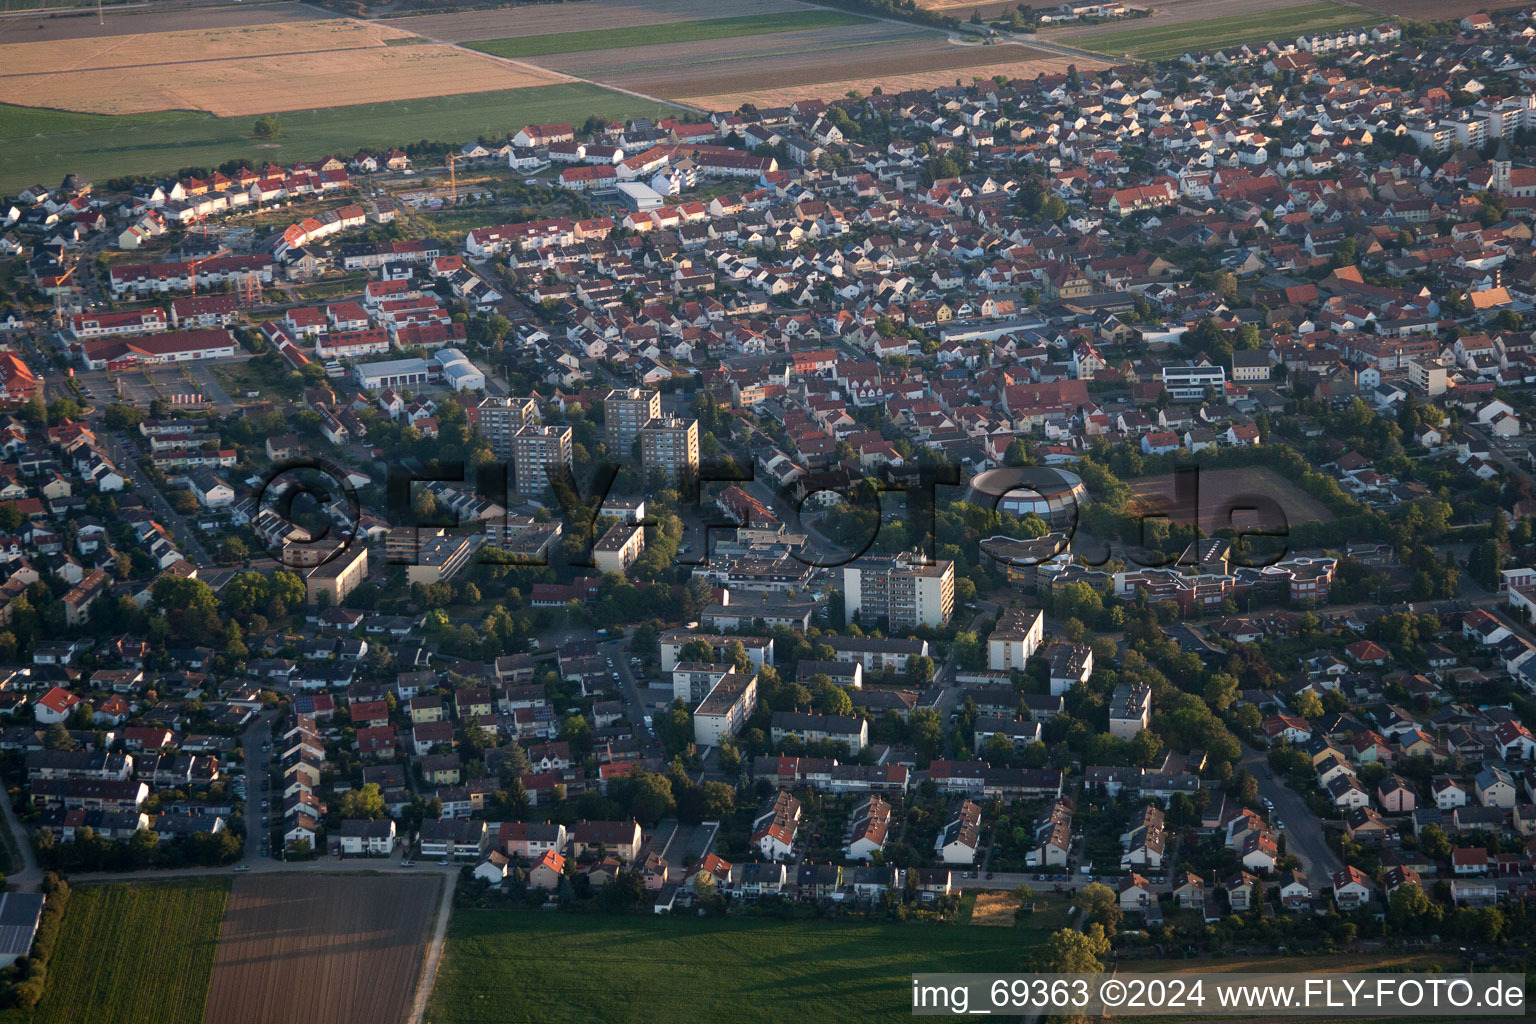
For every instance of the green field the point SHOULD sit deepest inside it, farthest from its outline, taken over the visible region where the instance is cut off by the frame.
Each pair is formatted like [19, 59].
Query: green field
[137, 953]
[43, 145]
[672, 32]
[508, 966]
[1174, 40]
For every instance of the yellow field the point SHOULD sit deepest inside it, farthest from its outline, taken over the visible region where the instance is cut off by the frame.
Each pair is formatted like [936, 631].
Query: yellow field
[995, 909]
[248, 70]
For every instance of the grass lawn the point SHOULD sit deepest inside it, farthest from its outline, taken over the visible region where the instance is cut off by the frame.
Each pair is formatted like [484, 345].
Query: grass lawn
[507, 966]
[1173, 40]
[138, 953]
[43, 145]
[672, 32]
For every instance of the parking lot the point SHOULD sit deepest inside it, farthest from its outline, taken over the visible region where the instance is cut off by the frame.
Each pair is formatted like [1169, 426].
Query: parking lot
[139, 387]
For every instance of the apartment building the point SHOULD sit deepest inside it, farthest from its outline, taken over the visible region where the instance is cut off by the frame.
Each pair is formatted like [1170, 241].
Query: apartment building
[540, 455]
[725, 710]
[670, 447]
[617, 549]
[1130, 710]
[498, 419]
[902, 589]
[625, 411]
[1018, 635]
[338, 577]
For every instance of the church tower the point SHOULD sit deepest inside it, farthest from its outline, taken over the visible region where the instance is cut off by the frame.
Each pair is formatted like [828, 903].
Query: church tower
[1501, 162]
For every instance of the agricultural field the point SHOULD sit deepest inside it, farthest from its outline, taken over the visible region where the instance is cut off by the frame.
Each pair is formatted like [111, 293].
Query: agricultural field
[118, 22]
[509, 966]
[1435, 10]
[665, 33]
[247, 70]
[137, 953]
[580, 17]
[1209, 24]
[1026, 63]
[45, 145]
[345, 949]
[1224, 489]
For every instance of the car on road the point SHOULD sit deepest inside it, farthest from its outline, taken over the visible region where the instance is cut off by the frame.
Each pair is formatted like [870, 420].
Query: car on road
[242, 867]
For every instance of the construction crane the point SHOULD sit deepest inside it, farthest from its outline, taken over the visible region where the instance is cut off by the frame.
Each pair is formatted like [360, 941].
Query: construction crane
[58, 296]
[194, 264]
[453, 180]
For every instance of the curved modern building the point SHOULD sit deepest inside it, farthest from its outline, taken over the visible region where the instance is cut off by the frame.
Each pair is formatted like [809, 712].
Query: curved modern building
[1054, 495]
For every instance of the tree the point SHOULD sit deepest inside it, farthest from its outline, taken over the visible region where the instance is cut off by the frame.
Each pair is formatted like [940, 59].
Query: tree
[1097, 902]
[1433, 842]
[927, 730]
[1308, 705]
[268, 127]
[1221, 691]
[650, 796]
[998, 750]
[1407, 908]
[719, 800]
[366, 802]
[56, 737]
[1071, 952]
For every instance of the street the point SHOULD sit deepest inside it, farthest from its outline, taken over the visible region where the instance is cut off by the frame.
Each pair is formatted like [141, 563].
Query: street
[1303, 832]
[125, 457]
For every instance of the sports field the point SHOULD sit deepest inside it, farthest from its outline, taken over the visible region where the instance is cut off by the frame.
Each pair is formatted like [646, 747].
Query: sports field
[507, 966]
[138, 953]
[674, 32]
[1155, 40]
[43, 145]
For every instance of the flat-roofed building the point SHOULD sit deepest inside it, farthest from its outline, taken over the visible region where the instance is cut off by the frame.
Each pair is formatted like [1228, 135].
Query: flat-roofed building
[625, 411]
[725, 710]
[1018, 635]
[338, 577]
[670, 448]
[441, 558]
[903, 590]
[541, 455]
[617, 549]
[499, 418]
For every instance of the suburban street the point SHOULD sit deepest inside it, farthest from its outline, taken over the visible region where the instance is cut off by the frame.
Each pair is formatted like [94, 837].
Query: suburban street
[1303, 832]
[629, 691]
[125, 455]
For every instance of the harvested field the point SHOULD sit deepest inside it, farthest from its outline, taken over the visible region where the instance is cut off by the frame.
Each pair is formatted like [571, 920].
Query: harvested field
[249, 70]
[138, 50]
[788, 60]
[1024, 67]
[1223, 490]
[995, 909]
[670, 33]
[82, 25]
[342, 949]
[548, 19]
